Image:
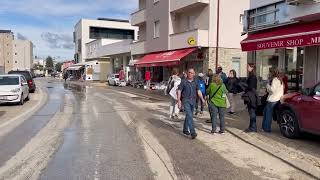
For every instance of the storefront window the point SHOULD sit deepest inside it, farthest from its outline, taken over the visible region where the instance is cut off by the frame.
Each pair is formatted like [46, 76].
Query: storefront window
[265, 61]
[294, 68]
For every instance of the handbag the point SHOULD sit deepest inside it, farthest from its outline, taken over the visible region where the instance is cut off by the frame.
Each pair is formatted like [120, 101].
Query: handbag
[228, 102]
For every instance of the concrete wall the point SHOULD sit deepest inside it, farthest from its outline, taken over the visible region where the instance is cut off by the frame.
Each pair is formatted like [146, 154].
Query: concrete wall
[154, 12]
[259, 3]
[230, 26]
[22, 54]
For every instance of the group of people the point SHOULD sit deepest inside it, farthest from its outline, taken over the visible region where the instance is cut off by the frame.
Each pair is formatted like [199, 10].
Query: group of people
[218, 92]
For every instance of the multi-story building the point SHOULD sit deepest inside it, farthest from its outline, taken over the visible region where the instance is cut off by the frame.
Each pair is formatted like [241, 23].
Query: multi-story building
[110, 30]
[284, 35]
[22, 52]
[189, 33]
[6, 38]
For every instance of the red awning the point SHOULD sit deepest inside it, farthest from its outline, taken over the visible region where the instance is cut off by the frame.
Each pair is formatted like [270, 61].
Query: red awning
[168, 58]
[294, 35]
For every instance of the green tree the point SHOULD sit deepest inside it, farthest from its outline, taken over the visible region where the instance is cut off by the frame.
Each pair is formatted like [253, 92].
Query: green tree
[49, 64]
[58, 66]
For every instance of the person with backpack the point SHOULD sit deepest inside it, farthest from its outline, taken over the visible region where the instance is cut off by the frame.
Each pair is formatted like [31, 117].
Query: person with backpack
[188, 92]
[202, 88]
[217, 92]
[174, 82]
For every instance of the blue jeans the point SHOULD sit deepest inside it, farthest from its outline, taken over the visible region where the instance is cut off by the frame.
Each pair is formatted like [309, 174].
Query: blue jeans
[188, 122]
[214, 111]
[253, 119]
[267, 116]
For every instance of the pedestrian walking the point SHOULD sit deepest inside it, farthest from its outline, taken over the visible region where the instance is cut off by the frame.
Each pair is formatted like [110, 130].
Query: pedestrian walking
[147, 77]
[217, 102]
[251, 98]
[202, 88]
[222, 75]
[275, 89]
[65, 76]
[188, 92]
[174, 82]
[208, 82]
[233, 89]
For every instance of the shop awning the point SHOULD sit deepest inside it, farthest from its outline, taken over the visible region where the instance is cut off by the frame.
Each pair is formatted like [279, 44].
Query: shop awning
[294, 35]
[168, 58]
[74, 68]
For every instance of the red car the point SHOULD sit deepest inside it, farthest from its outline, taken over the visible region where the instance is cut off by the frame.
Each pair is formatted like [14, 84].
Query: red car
[300, 112]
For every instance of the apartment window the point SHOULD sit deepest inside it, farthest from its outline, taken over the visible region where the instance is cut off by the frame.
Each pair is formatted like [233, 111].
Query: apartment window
[15, 53]
[191, 22]
[108, 33]
[156, 33]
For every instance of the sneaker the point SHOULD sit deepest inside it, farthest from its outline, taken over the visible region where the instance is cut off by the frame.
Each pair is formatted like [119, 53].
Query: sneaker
[194, 135]
[186, 133]
[208, 121]
[170, 117]
[213, 131]
[231, 112]
[250, 131]
[221, 132]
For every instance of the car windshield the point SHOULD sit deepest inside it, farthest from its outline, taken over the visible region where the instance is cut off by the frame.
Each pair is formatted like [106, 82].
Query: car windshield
[26, 74]
[7, 80]
[116, 76]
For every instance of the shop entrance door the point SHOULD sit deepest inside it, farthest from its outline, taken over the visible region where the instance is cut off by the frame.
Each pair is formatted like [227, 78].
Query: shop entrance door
[294, 59]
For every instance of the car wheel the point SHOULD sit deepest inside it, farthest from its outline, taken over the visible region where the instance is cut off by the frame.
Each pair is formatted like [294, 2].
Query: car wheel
[21, 100]
[109, 83]
[288, 124]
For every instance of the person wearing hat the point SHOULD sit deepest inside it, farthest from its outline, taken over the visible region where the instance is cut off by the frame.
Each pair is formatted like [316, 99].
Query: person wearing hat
[202, 88]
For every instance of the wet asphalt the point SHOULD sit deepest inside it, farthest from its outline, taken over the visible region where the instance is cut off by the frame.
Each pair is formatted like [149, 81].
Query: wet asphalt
[98, 145]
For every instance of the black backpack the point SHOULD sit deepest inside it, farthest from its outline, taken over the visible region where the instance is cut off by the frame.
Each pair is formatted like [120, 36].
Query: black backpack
[170, 85]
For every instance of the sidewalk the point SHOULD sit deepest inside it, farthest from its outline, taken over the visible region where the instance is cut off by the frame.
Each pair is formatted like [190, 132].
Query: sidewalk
[302, 154]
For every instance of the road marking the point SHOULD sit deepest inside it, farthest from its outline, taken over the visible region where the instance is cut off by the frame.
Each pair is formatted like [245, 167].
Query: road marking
[35, 155]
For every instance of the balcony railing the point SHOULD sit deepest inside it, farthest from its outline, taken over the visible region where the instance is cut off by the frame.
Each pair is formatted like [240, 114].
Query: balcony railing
[182, 40]
[138, 47]
[138, 17]
[176, 5]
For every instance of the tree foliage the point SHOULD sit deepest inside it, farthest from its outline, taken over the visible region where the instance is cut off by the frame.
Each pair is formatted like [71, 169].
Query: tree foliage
[58, 66]
[49, 62]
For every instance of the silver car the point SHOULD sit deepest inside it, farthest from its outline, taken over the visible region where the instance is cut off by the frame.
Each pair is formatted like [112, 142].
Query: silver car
[13, 89]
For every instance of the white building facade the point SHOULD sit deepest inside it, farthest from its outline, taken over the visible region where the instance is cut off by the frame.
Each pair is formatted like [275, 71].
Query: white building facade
[109, 30]
[209, 29]
[22, 54]
[284, 35]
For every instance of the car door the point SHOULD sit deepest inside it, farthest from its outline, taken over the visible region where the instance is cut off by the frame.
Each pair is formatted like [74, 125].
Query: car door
[311, 110]
[24, 86]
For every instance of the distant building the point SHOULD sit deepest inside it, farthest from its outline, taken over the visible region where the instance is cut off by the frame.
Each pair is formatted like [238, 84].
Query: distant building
[6, 38]
[109, 30]
[22, 54]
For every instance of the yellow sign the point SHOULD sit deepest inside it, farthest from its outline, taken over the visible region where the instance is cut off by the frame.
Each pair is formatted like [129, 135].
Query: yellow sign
[191, 41]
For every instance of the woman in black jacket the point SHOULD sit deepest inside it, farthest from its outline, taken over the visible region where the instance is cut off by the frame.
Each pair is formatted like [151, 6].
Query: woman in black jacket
[232, 86]
[253, 98]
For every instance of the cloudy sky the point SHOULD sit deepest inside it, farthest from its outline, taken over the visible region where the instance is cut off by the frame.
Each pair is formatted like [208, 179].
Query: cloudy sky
[49, 23]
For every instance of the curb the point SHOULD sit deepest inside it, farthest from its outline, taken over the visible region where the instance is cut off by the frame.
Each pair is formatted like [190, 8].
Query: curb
[5, 127]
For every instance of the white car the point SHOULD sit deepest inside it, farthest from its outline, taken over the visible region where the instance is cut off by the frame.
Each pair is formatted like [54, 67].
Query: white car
[113, 79]
[13, 89]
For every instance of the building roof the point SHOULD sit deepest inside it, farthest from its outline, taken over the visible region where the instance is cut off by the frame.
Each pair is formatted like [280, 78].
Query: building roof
[5, 31]
[111, 19]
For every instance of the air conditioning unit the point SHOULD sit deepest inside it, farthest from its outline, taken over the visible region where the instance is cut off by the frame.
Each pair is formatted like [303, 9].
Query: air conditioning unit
[297, 2]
